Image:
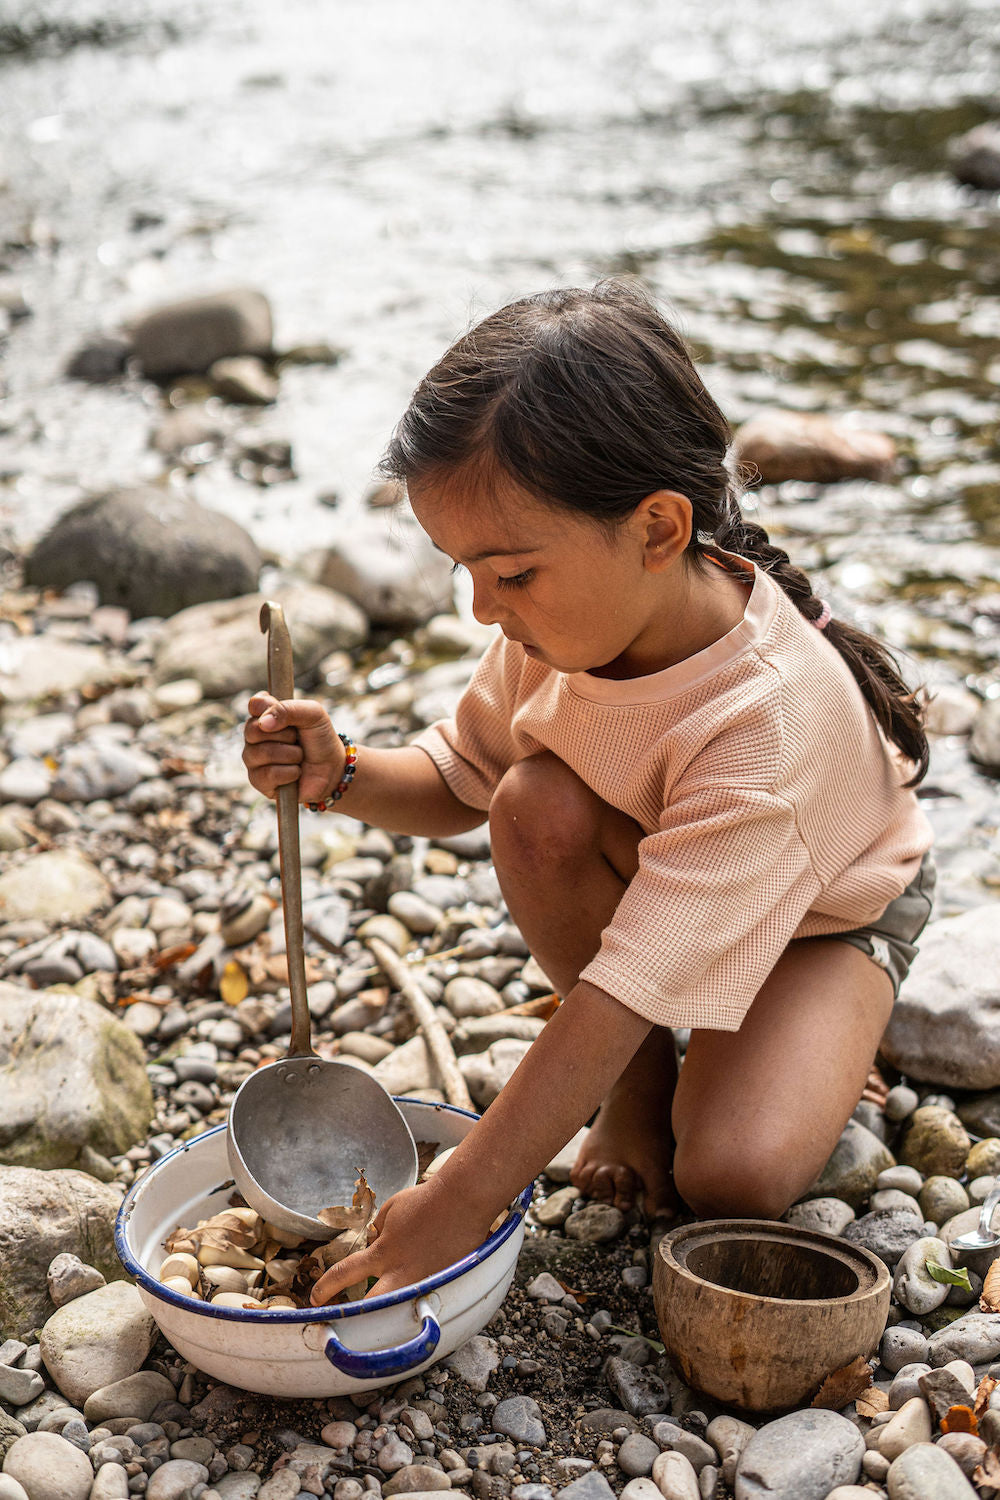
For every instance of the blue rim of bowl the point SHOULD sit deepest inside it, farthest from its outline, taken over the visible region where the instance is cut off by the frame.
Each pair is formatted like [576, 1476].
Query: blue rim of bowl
[490, 1245]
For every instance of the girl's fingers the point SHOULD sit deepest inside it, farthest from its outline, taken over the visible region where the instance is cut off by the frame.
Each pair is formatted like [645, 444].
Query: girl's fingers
[353, 1268]
[273, 753]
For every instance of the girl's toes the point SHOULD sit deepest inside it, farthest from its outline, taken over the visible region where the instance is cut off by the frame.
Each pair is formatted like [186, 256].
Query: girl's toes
[624, 1180]
[602, 1185]
[582, 1175]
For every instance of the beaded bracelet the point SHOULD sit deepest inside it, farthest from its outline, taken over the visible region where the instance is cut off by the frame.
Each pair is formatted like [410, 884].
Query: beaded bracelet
[350, 766]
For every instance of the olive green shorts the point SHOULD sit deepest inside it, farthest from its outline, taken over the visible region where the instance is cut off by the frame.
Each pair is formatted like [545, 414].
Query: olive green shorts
[891, 941]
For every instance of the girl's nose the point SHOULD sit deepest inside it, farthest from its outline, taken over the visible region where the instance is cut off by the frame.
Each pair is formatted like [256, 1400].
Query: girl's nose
[484, 605]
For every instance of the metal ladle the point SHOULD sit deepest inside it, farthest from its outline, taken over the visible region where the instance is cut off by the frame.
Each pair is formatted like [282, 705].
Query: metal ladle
[302, 1128]
[982, 1237]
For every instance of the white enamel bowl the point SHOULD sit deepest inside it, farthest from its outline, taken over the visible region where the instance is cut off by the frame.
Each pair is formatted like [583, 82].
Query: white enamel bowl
[325, 1351]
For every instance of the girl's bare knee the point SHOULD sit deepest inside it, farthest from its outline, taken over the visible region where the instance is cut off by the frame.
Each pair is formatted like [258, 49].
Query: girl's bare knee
[542, 814]
[734, 1181]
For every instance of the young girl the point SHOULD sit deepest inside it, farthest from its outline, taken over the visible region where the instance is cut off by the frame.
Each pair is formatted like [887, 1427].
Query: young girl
[698, 784]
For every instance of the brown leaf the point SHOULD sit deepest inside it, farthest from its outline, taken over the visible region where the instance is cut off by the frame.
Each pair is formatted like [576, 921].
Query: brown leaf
[984, 1391]
[426, 1152]
[872, 1402]
[167, 957]
[844, 1385]
[360, 1213]
[987, 1477]
[989, 1300]
[960, 1419]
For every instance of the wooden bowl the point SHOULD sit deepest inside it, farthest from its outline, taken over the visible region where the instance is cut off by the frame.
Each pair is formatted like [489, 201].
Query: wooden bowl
[757, 1314]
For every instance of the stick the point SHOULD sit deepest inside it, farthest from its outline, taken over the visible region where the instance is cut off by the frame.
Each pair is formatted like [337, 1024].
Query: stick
[437, 1039]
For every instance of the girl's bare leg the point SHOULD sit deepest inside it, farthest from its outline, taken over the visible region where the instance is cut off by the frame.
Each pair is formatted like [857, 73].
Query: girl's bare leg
[564, 859]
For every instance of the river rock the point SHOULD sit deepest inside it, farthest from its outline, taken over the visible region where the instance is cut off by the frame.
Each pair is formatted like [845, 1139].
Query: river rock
[37, 667]
[96, 1340]
[637, 1455]
[888, 1233]
[827, 1215]
[945, 1026]
[244, 380]
[187, 337]
[519, 1418]
[387, 564]
[474, 1361]
[638, 1390]
[595, 1224]
[964, 1449]
[466, 997]
[486, 1073]
[784, 445]
[220, 644]
[407, 1068]
[942, 1197]
[925, 1472]
[910, 1424]
[675, 1478]
[913, 1284]
[80, 1079]
[952, 709]
[980, 1114]
[800, 1457]
[974, 1337]
[49, 1468]
[729, 1436]
[901, 1347]
[984, 740]
[851, 1173]
[25, 780]
[59, 885]
[99, 767]
[68, 1277]
[975, 157]
[152, 551]
[944, 1388]
[936, 1142]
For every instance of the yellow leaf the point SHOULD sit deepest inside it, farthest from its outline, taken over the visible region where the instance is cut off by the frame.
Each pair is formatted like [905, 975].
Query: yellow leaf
[234, 985]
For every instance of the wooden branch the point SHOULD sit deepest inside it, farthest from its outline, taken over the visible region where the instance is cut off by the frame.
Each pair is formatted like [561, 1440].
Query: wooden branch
[437, 1039]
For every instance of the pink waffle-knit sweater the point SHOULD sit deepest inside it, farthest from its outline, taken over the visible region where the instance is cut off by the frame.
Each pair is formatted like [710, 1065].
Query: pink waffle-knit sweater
[770, 805]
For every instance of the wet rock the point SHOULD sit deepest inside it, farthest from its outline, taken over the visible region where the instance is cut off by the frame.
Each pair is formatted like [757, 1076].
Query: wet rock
[850, 1174]
[520, 1418]
[595, 1224]
[100, 768]
[975, 157]
[888, 1233]
[638, 1390]
[783, 445]
[984, 740]
[152, 551]
[68, 1277]
[675, 1478]
[936, 1142]
[800, 1457]
[244, 380]
[474, 1361]
[827, 1215]
[97, 1340]
[187, 337]
[42, 666]
[387, 565]
[59, 885]
[945, 1026]
[80, 1079]
[925, 1472]
[49, 1468]
[220, 644]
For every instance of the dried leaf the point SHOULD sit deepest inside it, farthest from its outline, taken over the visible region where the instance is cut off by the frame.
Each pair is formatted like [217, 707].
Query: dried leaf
[234, 985]
[989, 1301]
[844, 1385]
[948, 1275]
[984, 1391]
[360, 1213]
[872, 1402]
[168, 957]
[987, 1477]
[960, 1419]
[426, 1152]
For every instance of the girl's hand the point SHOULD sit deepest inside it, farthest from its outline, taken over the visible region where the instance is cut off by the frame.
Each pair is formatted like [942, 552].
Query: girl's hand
[418, 1231]
[292, 741]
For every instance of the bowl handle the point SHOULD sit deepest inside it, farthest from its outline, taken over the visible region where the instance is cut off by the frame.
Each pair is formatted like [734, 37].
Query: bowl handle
[376, 1364]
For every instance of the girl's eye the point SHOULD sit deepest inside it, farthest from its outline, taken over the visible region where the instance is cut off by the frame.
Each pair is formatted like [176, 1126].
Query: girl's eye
[516, 580]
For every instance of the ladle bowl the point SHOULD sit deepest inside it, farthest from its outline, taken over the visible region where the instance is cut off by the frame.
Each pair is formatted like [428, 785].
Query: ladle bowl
[756, 1314]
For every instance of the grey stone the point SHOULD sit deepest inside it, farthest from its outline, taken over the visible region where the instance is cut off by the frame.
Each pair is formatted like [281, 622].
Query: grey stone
[25, 780]
[520, 1418]
[941, 1198]
[981, 1114]
[675, 1477]
[244, 380]
[827, 1215]
[900, 1347]
[913, 1285]
[414, 912]
[173, 1480]
[388, 566]
[43, 666]
[900, 1102]
[637, 1454]
[639, 1391]
[480, 1033]
[416, 1479]
[964, 1449]
[556, 1208]
[187, 337]
[942, 1389]
[729, 1436]
[41, 1215]
[136, 1396]
[474, 1361]
[884, 1198]
[974, 1337]
[545, 1288]
[905, 1384]
[595, 1224]
[903, 1179]
[18, 1387]
[80, 1079]
[466, 996]
[99, 768]
[486, 1073]
[10, 1430]
[59, 885]
[800, 1457]
[945, 1026]
[936, 1142]
[68, 1277]
[49, 1468]
[97, 1340]
[854, 1165]
[237, 1485]
[393, 1455]
[591, 1486]
[984, 741]
[638, 1489]
[888, 1233]
[219, 643]
[697, 1452]
[9, 1487]
[925, 1472]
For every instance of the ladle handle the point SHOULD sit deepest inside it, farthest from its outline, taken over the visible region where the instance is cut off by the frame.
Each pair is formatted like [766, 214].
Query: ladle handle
[987, 1211]
[281, 685]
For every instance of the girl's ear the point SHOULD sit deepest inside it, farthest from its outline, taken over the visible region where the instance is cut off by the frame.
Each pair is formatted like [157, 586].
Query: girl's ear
[664, 521]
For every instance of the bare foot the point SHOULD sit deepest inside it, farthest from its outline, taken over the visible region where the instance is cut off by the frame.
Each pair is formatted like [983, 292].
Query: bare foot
[628, 1151]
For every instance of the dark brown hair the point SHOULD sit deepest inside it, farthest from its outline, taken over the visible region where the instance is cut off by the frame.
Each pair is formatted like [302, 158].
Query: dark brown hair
[588, 400]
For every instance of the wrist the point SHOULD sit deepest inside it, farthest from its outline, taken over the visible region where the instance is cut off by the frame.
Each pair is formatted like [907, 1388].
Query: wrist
[343, 780]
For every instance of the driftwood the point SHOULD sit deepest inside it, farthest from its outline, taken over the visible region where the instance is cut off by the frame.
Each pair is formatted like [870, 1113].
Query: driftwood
[437, 1039]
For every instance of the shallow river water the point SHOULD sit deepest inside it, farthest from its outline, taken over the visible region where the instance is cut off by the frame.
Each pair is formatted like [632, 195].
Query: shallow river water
[385, 171]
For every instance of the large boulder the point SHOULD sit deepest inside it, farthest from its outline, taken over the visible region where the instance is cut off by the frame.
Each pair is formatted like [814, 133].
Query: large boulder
[42, 1215]
[220, 645]
[71, 1076]
[388, 565]
[784, 445]
[149, 550]
[975, 158]
[945, 1026]
[58, 885]
[187, 337]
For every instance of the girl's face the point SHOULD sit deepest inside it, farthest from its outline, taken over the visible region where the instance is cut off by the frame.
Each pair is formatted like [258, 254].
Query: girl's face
[576, 596]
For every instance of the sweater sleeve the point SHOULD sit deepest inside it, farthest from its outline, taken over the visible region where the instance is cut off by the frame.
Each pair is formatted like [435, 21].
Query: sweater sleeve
[474, 749]
[721, 887]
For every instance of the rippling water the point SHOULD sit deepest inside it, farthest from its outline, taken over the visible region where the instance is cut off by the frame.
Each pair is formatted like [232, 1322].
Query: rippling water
[385, 171]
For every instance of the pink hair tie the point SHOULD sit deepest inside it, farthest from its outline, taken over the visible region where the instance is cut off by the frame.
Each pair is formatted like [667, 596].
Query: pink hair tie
[824, 617]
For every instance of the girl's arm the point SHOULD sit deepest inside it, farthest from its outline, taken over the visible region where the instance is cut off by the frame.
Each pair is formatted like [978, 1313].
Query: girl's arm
[399, 790]
[557, 1087]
